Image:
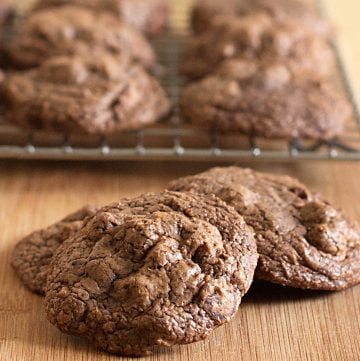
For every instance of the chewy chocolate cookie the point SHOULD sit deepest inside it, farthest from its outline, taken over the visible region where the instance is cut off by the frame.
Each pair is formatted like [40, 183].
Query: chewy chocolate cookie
[256, 37]
[148, 16]
[302, 240]
[69, 30]
[85, 94]
[265, 101]
[157, 270]
[304, 12]
[32, 255]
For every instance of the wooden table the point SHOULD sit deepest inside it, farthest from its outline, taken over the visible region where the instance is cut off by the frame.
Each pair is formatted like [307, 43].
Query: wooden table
[273, 324]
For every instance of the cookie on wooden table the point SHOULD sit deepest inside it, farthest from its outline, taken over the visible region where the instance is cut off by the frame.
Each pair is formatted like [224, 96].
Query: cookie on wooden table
[32, 255]
[85, 94]
[304, 12]
[266, 101]
[257, 37]
[70, 30]
[302, 240]
[158, 270]
[148, 16]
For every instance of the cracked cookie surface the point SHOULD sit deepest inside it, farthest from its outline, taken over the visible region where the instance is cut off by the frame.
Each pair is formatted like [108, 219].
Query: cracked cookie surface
[85, 94]
[256, 37]
[148, 16]
[265, 100]
[32, 255]
[70, 30]
[205, 13]
[157, 270]
[302, 240]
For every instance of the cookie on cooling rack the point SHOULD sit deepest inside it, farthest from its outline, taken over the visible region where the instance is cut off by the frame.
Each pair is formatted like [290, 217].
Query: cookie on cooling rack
[32, 256]
[148, 16]
[265, 101]
[302, 240]
[85, 94]
[304, 12]
[257, 37]
[69, 30]
[158, 270]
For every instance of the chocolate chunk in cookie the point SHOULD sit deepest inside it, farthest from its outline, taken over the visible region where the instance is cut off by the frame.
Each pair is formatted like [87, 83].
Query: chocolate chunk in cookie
[85, 94]
[304, 12]
[71, 30]
[256, 37]
[265, 101]
[302, 240]
[157, 270]
[32, 255]
[148, 16]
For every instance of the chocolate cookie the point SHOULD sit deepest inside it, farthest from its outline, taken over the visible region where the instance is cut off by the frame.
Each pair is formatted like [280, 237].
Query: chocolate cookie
[265, 101]
[148, 16]
[32, 255]
[158, 270]
[85, 94]
[69, 30]
[304, 12]
[302, 240]
[256, 37]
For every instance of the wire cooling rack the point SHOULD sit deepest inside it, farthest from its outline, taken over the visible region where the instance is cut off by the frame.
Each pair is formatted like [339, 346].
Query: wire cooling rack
[175, 140]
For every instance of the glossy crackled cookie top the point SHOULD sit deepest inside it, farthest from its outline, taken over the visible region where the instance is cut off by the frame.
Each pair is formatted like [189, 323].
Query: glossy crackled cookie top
[69, 30]
[257, 37]
[304, 12]
[157, 270]
[149, 16]
[265, 100]
[302, 240]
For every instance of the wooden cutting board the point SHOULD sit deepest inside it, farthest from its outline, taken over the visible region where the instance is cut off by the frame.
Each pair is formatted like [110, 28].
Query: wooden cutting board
[273, 323]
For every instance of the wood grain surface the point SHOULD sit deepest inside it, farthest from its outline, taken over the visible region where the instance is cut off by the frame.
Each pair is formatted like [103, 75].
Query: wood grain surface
[273, 323]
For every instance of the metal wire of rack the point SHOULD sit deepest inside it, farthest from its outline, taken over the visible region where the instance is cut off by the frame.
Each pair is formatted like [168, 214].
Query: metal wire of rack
[173, 139]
